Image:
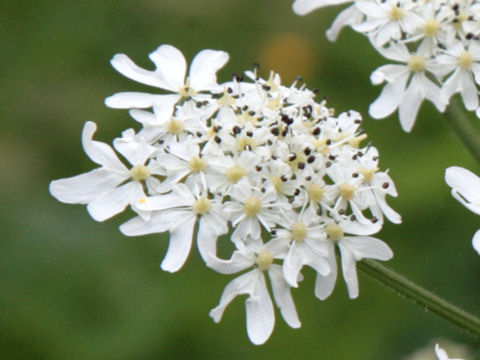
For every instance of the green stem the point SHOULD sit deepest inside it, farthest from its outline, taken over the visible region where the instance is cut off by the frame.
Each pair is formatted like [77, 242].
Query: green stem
[463, 127]
[420, 296]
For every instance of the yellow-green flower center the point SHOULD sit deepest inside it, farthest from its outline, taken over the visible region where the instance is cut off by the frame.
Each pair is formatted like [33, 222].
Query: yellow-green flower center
[202, 206]
[396, 13]
[299, 231]
[235, 173]
[196, 164]
[264, 260]
[431, 27]
[140, 172]
[334, 232]
[175, 126]
[252, 206]
[465, 60]
[367, 173]
[347, 191]
[416, 63]
[315, 192]
[245, 143]
[186, 90]
[277, 183]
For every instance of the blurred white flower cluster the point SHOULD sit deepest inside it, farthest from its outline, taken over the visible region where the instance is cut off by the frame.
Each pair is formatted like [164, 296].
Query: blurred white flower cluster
[279, 174]
[434, 44]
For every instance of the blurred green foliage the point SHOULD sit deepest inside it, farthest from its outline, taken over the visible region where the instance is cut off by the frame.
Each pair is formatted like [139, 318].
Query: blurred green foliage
[75, 289]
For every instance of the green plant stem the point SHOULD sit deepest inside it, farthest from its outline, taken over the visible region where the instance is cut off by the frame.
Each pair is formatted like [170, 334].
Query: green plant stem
[463, 127]
[420, 296]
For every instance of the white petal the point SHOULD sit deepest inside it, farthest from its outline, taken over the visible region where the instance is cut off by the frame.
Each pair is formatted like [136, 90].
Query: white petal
[112, 202]
[292, 265]
[244, 284]
[476, 241]
[283, 296]
[465, 183]
[389, 72]
[441, 354]
[303, 7]
[260, 313]
[367, 247]
[128, 68]
[204, 68]
[346, 17]
[469, 91]
[83, 188]
[137, 226]
[136, 152]
[349, 269]
[206, 240]
[389, 99]
[390, 214]
[324, 284]
[179, 246]
[410, 105]
[100, 152]
[171, 66]
[139, 100]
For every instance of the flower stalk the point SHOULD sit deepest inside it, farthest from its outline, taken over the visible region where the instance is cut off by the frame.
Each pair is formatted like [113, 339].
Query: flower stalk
[422, 297]
[463, 128]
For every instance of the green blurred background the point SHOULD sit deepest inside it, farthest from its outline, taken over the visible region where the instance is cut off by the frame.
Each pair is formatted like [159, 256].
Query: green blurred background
[72, 288]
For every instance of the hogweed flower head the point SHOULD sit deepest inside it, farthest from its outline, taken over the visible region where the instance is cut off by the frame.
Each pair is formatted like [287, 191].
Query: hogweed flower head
[287, 179]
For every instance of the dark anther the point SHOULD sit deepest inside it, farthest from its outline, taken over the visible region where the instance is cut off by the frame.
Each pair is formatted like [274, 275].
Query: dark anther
[385, 185]
[292, 157]
[311, 159]
[301, 165]
[307, 151]
[275, 131]
[217, 139]
[236, 130]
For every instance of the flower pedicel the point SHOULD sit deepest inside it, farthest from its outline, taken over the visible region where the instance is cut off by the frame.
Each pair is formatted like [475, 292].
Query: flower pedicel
[281, 174]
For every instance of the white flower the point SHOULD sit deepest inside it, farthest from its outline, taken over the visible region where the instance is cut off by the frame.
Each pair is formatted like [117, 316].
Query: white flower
[258, 306]
[386, 20]
[170, 75]
[396, 93]
[306, 245]
[177, 212]
[466, 189]
[250, 207]
[108, 190]
[441, 354]
[463, 64]
[352, 249]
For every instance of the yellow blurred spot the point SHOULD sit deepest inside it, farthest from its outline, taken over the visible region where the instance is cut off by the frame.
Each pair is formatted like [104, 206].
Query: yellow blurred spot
[289, 55]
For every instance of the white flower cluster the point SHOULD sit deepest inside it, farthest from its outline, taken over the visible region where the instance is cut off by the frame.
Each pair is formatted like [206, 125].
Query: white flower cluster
[434, 44]
[264, 164]
[466, 189]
